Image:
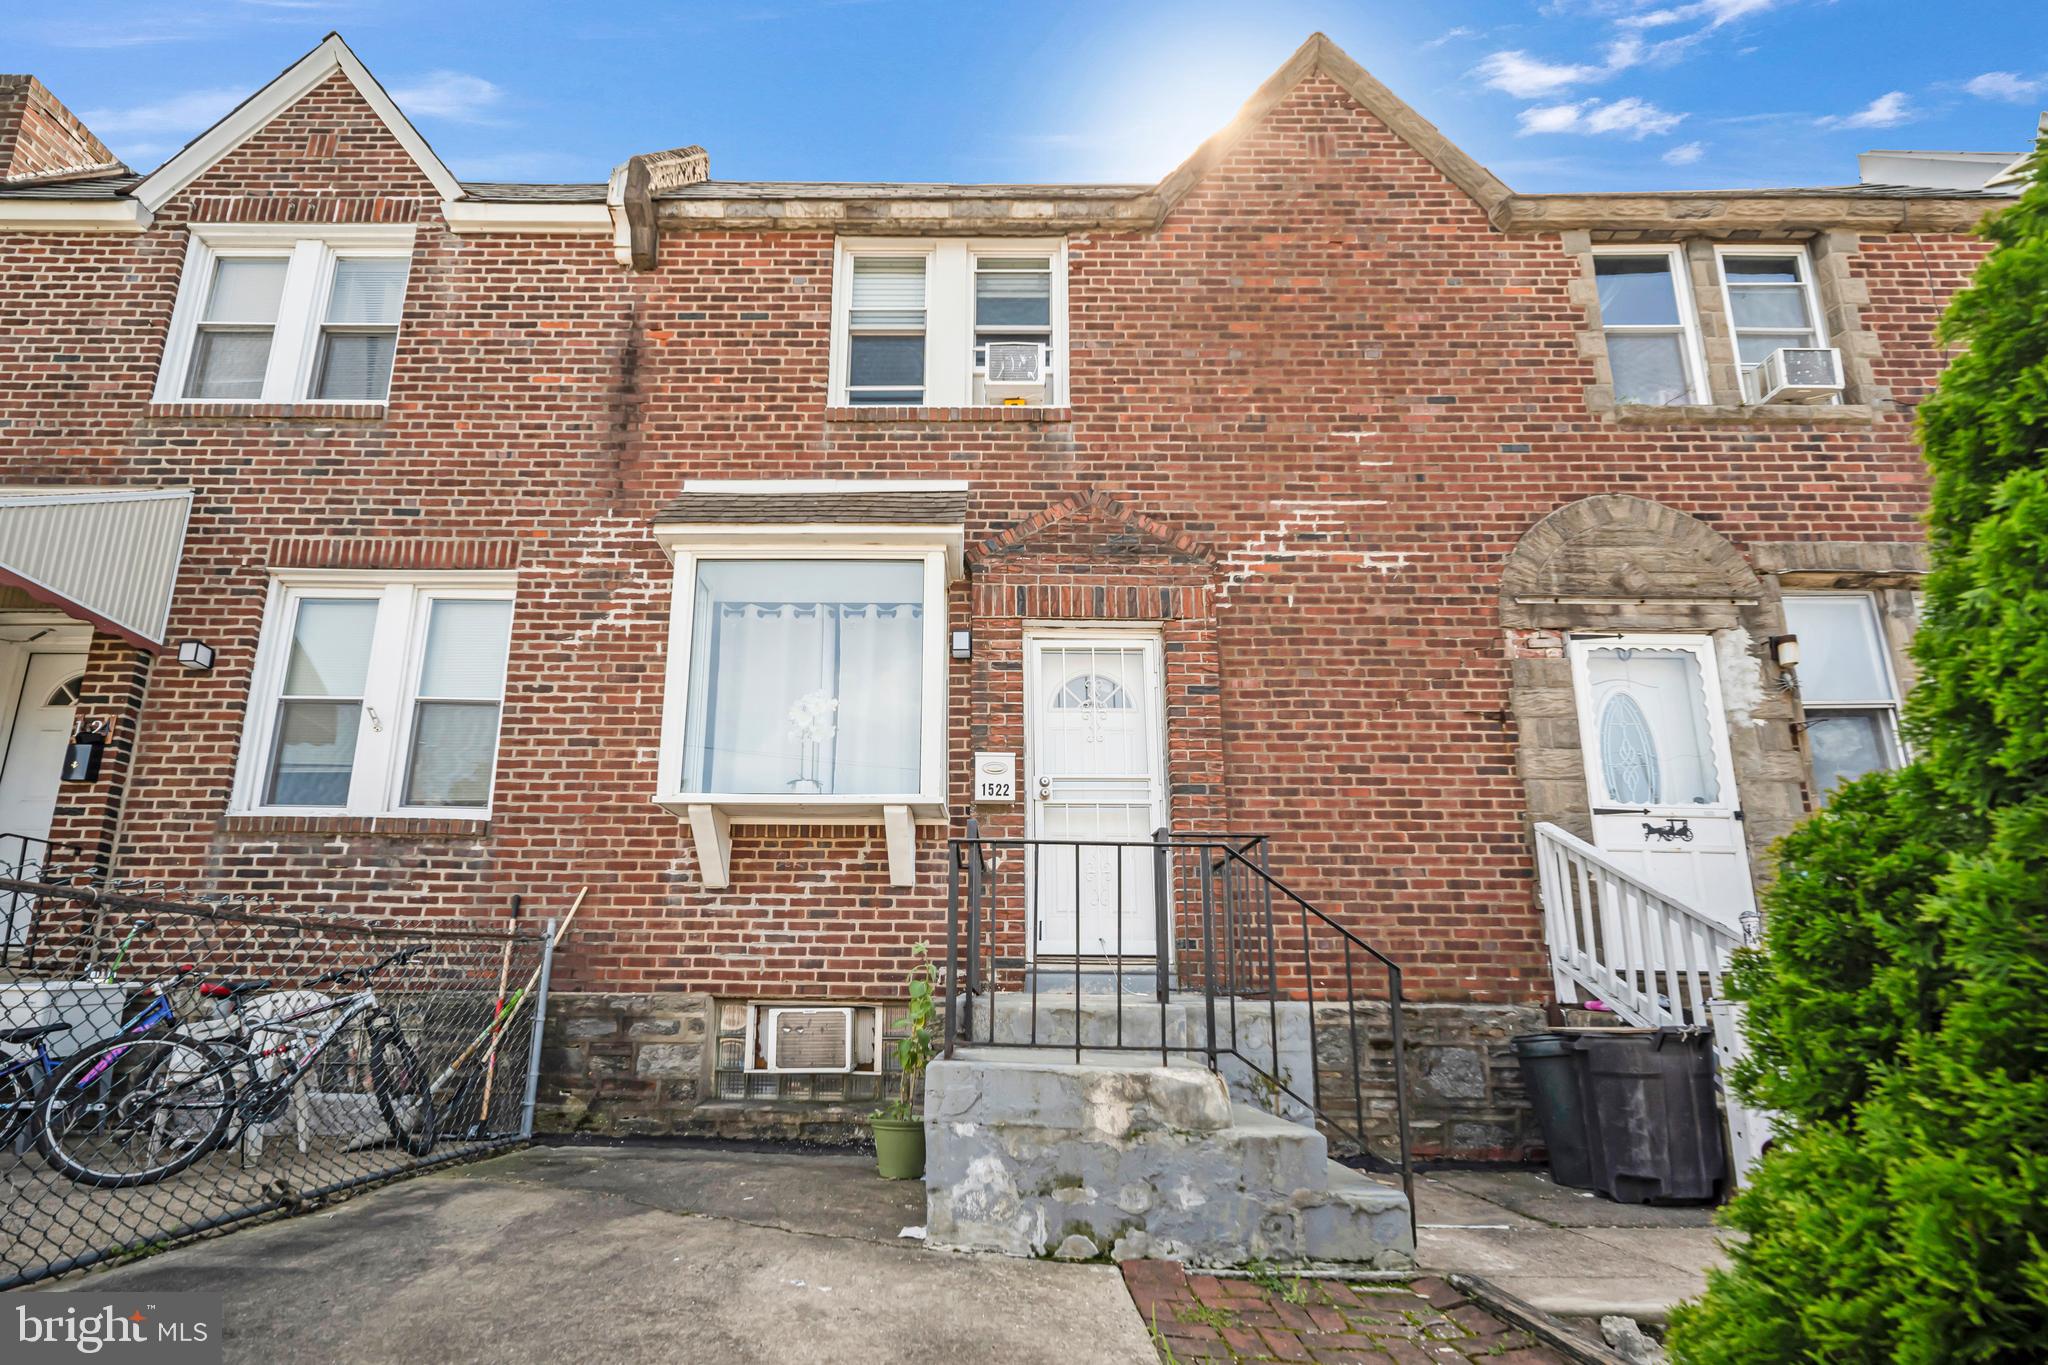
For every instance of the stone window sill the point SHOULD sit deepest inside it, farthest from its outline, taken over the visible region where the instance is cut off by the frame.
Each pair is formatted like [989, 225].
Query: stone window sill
[1735, 414]
[1027, 415]
[267, 412]
[368, 826]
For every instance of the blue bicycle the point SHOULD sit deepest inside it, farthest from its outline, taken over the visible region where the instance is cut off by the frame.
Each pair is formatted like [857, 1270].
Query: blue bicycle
[22, 1078]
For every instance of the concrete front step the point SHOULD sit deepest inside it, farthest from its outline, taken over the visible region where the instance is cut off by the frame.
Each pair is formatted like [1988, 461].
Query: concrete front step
[1031, 1154]
[1245, 1033]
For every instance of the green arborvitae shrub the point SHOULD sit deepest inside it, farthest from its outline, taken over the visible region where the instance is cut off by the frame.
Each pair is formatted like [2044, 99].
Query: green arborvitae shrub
[1899, 1011]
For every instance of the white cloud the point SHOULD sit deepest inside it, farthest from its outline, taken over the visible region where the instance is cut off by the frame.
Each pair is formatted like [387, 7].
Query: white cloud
[1629, 116]
[1450, 35]
[181, 116]
[1714, 12]
[452, 95]
[2004, 85]
[1886, 111]
[1527, 77]
[1685, 153]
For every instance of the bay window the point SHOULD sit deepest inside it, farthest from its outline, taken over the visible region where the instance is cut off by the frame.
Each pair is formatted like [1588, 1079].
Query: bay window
[281, 313]
[1846, 687]
[377, 697]
[807, 658]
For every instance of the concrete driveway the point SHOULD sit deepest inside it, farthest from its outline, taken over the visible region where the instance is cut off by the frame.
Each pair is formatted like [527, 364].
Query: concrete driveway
[628, 1254]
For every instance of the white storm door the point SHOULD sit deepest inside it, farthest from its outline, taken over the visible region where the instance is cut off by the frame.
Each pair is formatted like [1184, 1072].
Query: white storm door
[31, 765]
[1094, 761]
[1655, 741]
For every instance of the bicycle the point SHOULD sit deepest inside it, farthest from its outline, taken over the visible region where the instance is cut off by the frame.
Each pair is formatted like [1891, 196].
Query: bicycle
[135, 1111]
[17, 1089]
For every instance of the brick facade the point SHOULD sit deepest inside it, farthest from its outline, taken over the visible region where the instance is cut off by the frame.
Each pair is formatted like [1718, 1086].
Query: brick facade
[1311, 416]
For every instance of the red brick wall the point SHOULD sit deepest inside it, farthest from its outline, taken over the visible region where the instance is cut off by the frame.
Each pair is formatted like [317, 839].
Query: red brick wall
[1341, 393]
[39, 136]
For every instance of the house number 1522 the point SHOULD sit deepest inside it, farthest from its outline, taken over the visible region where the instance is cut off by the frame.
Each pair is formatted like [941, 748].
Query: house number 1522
[995, 778]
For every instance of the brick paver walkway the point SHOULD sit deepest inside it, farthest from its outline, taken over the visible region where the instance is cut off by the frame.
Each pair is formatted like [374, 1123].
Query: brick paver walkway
[1329, 1322]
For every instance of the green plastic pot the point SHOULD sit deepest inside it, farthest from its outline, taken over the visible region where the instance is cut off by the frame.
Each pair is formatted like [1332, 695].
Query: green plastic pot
[899, 1148]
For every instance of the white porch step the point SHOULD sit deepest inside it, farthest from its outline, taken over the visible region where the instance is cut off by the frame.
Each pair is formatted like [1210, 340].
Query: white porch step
[1031, 1153]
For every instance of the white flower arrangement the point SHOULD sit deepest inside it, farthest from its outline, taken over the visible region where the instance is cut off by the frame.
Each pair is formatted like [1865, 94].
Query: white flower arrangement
[810, 717]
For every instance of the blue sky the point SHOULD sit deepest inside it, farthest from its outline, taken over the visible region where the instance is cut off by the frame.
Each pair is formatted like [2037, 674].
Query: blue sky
[1551, 94]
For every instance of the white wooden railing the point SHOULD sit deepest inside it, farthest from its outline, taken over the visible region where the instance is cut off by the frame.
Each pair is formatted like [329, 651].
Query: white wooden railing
[1615, 938]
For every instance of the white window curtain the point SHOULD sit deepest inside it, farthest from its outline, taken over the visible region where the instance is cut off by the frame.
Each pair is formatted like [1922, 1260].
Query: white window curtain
[805, 678]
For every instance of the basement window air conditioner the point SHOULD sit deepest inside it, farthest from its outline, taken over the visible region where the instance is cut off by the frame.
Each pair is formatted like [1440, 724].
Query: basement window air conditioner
[810, 1039]
[1015, 369]
[1795, 374]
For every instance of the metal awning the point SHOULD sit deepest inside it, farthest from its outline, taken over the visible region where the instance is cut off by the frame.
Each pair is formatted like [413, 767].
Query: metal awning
[104, 555]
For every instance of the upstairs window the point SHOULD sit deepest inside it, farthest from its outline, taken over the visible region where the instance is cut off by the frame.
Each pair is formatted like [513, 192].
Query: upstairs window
[1652, 335]
[378, 698]
[949, 323]
[1770, 302]
[231, 352]
[885, 331]
[268, 314]
[1846, 687]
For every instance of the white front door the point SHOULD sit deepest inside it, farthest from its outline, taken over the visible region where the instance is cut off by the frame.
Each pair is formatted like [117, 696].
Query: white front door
[31, 764]
[1655, 741]
[1094, 769]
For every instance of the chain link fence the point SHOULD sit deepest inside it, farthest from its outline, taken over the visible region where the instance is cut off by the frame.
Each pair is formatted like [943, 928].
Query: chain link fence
[171, 1067]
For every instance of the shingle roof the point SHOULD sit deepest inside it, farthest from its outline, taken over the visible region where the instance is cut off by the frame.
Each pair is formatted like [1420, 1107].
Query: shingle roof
[923, 507]
[827, 189]
[110, 186]
[507, 192]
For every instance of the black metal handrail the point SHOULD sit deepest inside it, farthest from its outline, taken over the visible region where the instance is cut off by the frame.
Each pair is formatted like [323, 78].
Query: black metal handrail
[1221, 937]
[26, 859]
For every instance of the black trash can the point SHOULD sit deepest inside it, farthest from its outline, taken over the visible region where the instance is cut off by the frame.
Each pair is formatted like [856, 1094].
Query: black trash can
[1552, 1074]
[1653, 1126]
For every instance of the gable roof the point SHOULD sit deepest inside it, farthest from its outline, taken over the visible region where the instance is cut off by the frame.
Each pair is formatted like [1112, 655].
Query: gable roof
[204, 152]
[1319, 54]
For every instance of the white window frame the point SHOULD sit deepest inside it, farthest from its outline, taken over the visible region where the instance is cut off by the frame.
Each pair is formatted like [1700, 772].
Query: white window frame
[1890, 705]
[1813, 311]
[390, 685]
[302, 307]
[711, 815]
[1688, 318]
[948, 311]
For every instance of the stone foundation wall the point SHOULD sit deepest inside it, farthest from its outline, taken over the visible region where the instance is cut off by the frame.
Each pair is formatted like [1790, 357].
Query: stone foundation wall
[642, 1066]
[1465, 1092]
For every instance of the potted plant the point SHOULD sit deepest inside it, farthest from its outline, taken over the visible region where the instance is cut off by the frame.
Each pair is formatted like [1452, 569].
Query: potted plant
[899, 1132]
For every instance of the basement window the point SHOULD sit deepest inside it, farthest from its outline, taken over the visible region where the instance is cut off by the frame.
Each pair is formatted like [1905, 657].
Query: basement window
[808, 1052]
[268, 314]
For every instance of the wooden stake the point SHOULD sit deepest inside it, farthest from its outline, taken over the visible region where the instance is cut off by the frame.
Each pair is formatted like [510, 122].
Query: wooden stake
[506, 1013]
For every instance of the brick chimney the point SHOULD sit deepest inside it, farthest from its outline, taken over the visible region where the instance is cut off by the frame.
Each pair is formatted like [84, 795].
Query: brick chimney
[40, 139]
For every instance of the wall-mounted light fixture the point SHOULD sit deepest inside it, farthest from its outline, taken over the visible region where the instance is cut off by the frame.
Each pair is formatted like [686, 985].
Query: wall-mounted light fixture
[196, 655]
[963, 645]
[1785, 651]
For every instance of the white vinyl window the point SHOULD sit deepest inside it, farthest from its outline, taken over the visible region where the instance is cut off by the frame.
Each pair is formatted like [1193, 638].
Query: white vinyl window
[914, 321]
[1652, 332]
[806, 678]
[1771, 303]
[1846, 685]
[377, 697]
[266, 313]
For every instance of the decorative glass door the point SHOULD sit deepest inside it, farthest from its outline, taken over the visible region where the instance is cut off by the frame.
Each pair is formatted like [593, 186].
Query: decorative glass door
[1094, 770]
[1655, 741]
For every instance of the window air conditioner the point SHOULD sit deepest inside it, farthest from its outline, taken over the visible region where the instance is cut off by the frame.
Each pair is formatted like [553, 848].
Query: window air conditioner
[810, 1039]
[1014, 369]
[1795, 374]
